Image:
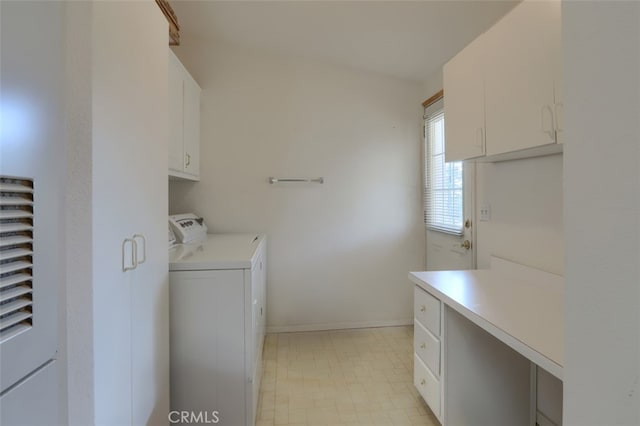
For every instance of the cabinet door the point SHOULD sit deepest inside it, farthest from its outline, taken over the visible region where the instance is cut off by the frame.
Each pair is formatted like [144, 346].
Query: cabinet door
[176, 119]
[32, 147]
[34, 401]
[464, 104]
[263, 296]
[519, 79]
[558, 88]
[191, 127]
[130, 309]
[148, 216]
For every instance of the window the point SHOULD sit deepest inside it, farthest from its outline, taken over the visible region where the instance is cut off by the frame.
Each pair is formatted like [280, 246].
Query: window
[443, 190]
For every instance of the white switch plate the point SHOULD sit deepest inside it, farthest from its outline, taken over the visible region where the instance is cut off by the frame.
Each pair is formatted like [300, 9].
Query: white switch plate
[485, 213]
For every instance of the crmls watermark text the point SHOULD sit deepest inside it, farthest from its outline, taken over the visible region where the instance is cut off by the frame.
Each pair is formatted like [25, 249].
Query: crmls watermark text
[187, 417]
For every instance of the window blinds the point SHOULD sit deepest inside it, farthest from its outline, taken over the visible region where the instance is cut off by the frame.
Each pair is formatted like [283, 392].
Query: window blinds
[443, 186]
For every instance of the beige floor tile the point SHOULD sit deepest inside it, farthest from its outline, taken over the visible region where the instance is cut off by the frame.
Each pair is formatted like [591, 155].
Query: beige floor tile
[341, 378]
[266, 415]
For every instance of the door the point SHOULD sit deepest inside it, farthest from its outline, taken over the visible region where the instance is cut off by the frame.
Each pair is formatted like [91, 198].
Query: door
[448, 196]
[150, 280]
[130, 190]
[447, 251]
[32, 203]
[191, 126]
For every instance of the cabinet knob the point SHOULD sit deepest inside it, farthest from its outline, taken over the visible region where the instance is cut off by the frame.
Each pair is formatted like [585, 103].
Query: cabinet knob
[423, 382]
[188, 159]
[423, 345]
[423, 308]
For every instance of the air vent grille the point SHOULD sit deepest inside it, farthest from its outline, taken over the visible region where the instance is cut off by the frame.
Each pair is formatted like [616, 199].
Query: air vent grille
[16, 256]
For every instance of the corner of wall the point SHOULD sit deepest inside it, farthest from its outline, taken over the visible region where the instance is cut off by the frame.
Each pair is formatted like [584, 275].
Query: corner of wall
[78, 320]
[433, 83]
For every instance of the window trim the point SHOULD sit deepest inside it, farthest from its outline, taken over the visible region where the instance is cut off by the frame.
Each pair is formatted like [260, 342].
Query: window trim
[434, 109]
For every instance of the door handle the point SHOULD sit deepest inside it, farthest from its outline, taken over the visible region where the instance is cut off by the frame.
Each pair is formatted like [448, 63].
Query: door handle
[466, 244]
[144, 248]
[134, 255]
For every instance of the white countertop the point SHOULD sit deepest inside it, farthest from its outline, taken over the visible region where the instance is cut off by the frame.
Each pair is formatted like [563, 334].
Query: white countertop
[521, 306]
[216, 251]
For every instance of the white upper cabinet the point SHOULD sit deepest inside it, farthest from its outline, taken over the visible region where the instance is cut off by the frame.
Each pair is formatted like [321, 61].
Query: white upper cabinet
[519, 77]
[184, 122]
[515, 67]
[176, 125]
[464, 103]
[191, 127]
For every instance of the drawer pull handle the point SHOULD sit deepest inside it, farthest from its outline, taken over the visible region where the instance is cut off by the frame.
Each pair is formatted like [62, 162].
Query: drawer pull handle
[423, 308]
[423, 345]
[423, 382]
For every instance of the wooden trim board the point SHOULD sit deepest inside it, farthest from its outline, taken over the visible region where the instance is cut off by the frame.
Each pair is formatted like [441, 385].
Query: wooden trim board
[436, 97]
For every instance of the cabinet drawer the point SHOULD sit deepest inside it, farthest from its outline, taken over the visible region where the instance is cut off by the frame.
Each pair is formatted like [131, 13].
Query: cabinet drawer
[427, 384]
[427, 346]
[426, 309]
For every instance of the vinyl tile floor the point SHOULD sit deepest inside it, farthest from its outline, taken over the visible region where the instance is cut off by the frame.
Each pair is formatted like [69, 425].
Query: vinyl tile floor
[341, 378]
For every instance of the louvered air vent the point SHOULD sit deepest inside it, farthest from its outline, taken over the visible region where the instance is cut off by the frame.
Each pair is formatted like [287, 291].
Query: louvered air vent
[16, 256]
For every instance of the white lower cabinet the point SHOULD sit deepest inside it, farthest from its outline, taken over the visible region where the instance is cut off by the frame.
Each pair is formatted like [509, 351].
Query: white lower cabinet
[427, 384]
[483, 355]
[427, 311]
[465, 375]
[427, 347]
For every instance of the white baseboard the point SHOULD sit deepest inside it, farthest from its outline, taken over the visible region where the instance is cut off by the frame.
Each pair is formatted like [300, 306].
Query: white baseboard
[337, 326]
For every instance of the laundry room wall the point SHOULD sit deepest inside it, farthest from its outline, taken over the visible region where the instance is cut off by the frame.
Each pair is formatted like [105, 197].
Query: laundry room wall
[526, 225]
[339, 253]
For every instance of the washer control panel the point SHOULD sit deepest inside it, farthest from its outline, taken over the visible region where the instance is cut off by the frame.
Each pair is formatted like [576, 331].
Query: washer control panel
[187, 227]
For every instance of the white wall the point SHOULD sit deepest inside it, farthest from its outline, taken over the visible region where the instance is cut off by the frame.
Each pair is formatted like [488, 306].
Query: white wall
[602, 213]
[339, 253]
[525, 197]
[432, 84]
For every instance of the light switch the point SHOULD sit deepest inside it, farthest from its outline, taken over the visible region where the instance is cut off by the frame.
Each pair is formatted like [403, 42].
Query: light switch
[485, 213]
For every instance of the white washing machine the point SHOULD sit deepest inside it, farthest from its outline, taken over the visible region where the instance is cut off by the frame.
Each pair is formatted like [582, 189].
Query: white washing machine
[217, 313]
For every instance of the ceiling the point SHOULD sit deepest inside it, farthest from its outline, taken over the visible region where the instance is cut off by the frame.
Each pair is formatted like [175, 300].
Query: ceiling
[405, 39]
